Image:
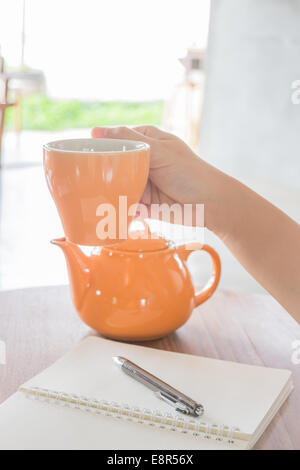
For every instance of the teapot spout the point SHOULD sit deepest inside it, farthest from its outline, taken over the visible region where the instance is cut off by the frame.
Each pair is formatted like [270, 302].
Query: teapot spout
[78, 269]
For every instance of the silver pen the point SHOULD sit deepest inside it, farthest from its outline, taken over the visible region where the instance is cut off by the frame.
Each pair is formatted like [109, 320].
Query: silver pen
[161, 389]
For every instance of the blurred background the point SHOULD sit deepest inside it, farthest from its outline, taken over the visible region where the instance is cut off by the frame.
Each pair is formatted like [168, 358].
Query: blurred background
[218, 74]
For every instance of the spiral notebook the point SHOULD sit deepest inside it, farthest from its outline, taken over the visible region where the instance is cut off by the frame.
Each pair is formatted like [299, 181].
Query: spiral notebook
[84, 401]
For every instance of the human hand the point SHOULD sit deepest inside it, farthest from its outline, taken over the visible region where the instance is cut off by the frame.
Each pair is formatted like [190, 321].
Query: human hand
[176, 172]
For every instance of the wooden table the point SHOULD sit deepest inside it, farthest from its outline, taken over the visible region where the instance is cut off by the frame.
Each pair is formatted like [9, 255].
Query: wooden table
[39, 325]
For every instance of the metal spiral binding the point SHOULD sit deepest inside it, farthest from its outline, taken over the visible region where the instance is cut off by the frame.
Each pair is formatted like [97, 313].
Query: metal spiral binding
[219, 432]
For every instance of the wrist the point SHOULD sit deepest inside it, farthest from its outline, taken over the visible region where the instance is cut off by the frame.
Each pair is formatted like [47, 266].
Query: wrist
[217, 195]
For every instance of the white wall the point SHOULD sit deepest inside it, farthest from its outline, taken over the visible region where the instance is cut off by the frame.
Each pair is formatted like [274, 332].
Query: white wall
[251, 128]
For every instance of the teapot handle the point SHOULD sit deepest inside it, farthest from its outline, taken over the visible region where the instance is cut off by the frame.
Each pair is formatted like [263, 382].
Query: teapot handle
[213, 282]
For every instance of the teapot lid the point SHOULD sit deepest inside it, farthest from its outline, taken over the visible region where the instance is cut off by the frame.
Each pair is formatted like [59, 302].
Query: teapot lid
[140, 244]
[143, 241]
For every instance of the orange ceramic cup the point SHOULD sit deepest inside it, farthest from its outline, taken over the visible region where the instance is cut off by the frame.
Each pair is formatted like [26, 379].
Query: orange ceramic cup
[85, 176]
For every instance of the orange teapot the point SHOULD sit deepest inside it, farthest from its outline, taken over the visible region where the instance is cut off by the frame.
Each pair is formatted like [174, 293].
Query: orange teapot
[136, 290]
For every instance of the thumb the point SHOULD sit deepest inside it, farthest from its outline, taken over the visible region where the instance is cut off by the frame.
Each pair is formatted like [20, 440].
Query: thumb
[119, 133]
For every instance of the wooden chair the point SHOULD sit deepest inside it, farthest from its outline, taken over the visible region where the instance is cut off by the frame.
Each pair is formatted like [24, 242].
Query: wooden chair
[4, 104]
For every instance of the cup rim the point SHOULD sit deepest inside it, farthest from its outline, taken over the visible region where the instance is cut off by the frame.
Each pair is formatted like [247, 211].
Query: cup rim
[90, 143]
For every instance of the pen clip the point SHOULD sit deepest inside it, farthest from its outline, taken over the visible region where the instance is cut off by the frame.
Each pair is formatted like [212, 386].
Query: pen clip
[173, 402]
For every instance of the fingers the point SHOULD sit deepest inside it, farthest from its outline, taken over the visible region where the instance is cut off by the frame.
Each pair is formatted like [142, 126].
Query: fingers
[98, 132]
[154, 132]
[144, 133]
[146, 197]
[118, 133]
[150, 131]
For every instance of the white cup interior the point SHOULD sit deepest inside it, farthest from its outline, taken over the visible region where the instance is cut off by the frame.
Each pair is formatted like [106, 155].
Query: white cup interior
[96, 145]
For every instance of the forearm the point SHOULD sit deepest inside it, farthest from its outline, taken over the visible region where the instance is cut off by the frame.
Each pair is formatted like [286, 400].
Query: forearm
[264, 239]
